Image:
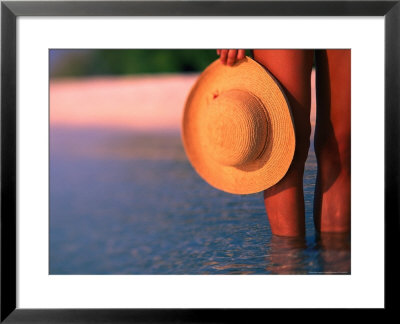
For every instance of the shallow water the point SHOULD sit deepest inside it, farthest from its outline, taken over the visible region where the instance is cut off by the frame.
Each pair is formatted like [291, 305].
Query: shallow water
[126, 203]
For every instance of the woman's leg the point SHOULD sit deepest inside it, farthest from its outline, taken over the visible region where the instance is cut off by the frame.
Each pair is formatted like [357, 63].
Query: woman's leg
[284, 202]
[332, 141]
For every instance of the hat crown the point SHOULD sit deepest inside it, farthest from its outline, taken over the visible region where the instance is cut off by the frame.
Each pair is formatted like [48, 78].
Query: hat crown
[236, 131]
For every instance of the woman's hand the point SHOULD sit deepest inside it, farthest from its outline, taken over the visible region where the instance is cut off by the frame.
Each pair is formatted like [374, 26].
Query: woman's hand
[230, 56]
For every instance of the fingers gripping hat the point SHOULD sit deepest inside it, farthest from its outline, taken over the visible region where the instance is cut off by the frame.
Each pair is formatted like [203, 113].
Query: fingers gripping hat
[237, 128]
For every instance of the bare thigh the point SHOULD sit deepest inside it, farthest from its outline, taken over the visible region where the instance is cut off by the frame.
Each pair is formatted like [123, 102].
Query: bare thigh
[284, 202]
[292, 68]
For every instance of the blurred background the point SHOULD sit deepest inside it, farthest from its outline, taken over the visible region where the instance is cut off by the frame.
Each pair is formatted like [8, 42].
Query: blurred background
[124, 199]
[83, 63]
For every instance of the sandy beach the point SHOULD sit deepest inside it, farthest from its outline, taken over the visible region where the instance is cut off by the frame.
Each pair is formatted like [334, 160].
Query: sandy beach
[150, 102]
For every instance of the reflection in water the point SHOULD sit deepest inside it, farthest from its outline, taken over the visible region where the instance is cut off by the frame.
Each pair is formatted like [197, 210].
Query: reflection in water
[330, 254]
[286, 255]
[123, 203]
[335, 252]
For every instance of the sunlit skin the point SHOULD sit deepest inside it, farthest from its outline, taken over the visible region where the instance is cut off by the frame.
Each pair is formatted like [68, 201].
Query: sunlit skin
[284, 202]
[230, 56]
[332, 141]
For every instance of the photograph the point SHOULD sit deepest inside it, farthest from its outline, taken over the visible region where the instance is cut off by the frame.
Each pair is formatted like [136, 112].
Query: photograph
[199, 161]
[192, 161]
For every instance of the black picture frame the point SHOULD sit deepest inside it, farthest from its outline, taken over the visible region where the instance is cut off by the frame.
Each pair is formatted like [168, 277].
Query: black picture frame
[10, 10]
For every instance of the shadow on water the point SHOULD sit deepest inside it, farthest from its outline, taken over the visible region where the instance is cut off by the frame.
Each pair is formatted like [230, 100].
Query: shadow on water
[124, 203]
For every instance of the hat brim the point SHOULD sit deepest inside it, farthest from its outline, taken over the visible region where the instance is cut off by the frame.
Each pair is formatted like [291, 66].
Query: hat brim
[273, 164]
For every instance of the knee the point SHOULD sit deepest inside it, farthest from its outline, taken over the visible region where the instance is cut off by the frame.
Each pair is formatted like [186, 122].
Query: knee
[334, 151]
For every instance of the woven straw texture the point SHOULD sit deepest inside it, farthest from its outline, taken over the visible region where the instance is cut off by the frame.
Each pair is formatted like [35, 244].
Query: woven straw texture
[237, 129]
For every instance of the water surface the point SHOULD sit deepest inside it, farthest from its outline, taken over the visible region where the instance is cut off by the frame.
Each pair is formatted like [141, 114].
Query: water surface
[130, 203]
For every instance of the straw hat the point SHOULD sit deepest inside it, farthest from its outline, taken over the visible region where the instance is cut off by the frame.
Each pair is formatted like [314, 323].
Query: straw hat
[237, 128]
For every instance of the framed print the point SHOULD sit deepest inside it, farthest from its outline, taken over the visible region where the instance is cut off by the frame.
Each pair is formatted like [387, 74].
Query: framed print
[121, 198]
